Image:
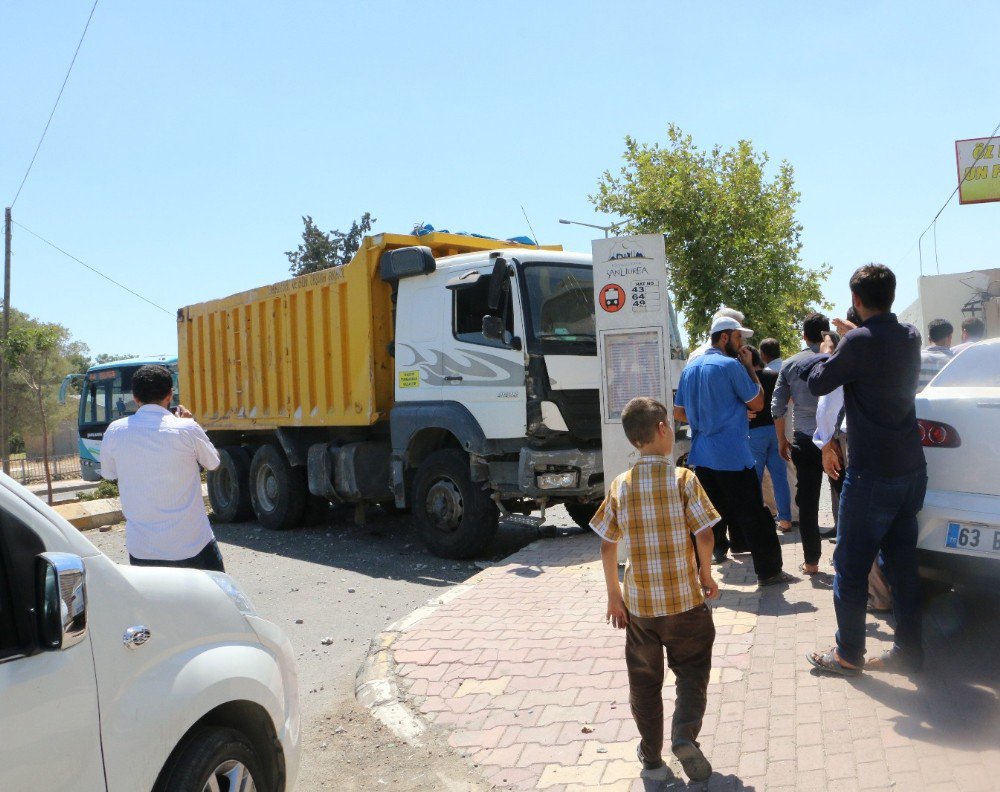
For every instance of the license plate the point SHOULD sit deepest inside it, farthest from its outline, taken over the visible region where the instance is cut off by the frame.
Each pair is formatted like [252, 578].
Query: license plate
[975, 538]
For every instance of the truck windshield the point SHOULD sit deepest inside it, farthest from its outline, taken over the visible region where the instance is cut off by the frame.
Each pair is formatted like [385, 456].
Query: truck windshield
[561, 303]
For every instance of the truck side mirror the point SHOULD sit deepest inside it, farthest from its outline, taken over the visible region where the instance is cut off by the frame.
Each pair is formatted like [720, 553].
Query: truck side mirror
[494, 328]
[61, 600]
[499, 284]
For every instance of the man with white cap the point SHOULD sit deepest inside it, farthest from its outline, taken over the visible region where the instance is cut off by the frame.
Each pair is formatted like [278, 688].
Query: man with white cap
[713, 396]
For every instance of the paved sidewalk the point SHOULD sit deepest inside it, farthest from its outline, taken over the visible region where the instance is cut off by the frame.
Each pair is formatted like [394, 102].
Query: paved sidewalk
[531, 681]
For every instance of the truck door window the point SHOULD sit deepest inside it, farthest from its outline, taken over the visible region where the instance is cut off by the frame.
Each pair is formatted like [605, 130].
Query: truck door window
[469, 306]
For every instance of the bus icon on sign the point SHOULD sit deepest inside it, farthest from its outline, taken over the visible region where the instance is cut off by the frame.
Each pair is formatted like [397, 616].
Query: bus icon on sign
[612, 298]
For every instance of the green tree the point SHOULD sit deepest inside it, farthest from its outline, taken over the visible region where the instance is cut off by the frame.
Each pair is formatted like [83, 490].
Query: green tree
[730, 232]
[39, 355]
[110, 357]
[321, 250]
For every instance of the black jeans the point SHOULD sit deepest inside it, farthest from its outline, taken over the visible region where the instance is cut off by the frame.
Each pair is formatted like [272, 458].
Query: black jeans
[688, 639]
[737, 497]
[808, 461]
[210, 559]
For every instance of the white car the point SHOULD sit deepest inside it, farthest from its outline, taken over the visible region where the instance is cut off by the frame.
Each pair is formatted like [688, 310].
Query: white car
[959, 417]
[127, 679]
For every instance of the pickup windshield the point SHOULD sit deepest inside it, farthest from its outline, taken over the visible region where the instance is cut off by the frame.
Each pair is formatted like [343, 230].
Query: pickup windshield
[561, 303]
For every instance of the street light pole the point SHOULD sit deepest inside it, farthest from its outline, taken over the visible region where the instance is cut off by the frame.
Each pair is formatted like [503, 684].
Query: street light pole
[605, 229]
[4, 374]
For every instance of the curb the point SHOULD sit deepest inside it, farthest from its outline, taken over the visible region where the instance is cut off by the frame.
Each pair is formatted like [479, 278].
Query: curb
[88, 515]
[375, 683]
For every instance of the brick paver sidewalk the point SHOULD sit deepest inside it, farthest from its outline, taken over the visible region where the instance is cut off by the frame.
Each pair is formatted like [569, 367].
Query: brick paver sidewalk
[532, 682]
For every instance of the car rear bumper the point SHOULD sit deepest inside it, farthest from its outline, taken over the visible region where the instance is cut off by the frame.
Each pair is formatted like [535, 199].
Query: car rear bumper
[941, 510]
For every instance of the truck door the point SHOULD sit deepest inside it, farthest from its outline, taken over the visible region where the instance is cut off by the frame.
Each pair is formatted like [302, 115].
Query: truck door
[487, 376]
[49, 721]
[421, 320]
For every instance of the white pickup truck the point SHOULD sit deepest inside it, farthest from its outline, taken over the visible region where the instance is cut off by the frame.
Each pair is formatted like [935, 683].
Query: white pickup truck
[124, 679]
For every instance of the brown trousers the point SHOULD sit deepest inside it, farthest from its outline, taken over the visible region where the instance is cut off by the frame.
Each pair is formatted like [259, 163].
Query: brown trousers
[687, 638]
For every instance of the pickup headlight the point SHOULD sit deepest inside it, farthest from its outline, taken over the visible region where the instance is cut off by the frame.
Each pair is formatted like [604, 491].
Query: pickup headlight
[234, 592]
[561, 480]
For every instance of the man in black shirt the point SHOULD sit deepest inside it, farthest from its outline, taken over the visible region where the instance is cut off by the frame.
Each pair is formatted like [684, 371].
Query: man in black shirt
[878, 364]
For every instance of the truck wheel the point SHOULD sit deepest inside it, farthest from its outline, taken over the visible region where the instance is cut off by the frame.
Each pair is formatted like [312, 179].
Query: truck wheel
[213, 758]
[229, 486]
[278, 491]
[455, 516]
[582, 513]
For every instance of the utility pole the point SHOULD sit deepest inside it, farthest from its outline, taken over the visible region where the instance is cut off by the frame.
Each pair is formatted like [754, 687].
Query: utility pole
[4, 373]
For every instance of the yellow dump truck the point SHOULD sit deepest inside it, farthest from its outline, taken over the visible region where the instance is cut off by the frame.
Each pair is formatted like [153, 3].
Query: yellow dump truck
[450, 374]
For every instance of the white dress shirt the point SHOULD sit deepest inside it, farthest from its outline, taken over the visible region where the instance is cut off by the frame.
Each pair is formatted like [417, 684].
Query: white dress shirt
[155, 457]
[827, 410]
[775, 365]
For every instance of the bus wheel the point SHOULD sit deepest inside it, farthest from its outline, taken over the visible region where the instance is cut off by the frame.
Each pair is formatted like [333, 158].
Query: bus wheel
[278, 491]
[455, 515]
[229, 486]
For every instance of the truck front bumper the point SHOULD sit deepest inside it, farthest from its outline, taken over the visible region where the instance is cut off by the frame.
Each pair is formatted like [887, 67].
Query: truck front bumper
[588, 464]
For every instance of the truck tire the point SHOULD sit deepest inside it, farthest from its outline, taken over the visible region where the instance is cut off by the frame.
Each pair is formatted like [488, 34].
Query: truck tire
[455, 515]
[229, 486]
[582, 513]
[213, 758]
[278, 491]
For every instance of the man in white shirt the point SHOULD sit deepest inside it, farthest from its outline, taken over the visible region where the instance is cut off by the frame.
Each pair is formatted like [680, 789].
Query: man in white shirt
[155, 457]
[770, 353]
[973, 330]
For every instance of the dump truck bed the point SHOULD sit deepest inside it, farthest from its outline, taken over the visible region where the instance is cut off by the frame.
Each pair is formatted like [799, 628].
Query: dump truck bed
[310, 351]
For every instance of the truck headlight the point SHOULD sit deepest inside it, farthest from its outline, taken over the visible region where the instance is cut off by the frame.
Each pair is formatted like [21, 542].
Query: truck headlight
[234, 592]
[563, 480]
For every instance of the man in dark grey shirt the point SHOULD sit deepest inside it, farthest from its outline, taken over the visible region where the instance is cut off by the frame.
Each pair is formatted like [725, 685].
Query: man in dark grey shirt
[878, 364]
[808, 459]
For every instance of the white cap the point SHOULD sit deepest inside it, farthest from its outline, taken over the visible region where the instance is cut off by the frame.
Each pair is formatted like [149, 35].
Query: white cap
[728, 323]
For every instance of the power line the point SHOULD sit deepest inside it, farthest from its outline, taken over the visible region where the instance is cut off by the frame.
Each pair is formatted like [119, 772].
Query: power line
[944, 206]
[54, 106]
[94, 270]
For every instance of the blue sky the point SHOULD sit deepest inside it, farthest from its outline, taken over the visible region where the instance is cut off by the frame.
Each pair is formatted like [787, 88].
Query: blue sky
[192, 136]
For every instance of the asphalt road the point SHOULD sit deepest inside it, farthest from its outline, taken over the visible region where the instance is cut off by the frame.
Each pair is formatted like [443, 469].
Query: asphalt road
[345, 584]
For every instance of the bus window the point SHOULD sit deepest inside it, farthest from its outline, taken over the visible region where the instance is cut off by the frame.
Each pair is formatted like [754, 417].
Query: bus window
[107, 396]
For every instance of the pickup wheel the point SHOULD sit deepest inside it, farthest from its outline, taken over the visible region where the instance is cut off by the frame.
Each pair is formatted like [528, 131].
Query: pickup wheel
[213, 758]
[455, 515]
[278, 491]
[582, 513]
[229, 486]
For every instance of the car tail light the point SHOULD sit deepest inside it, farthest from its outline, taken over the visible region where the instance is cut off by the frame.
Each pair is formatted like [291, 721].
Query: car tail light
[938, 435]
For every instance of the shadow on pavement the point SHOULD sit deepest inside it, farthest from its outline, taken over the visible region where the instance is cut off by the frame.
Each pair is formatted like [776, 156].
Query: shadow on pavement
[955, 700]
[387, 546]
[717, 783]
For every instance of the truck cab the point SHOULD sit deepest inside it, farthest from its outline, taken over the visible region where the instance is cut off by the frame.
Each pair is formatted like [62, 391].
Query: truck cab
[515, 380]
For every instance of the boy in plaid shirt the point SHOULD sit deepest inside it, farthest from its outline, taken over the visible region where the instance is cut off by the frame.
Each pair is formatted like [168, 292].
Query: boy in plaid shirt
[655, 509]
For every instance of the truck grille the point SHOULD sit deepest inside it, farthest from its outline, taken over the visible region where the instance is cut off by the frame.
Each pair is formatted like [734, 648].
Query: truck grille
[581, 409]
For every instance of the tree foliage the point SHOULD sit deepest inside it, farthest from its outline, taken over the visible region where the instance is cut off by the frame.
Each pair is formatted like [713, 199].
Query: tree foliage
[731, 234]
[109, 357]
[320, 250]
[39, 355]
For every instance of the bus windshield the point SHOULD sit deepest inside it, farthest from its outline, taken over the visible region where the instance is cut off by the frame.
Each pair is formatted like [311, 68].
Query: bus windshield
[107, 396]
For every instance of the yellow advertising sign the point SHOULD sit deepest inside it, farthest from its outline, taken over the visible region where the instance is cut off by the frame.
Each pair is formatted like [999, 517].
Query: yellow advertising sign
[978, 170]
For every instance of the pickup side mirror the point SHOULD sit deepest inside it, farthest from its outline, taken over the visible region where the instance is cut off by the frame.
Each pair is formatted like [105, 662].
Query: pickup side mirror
[499, 284]
[62, 600]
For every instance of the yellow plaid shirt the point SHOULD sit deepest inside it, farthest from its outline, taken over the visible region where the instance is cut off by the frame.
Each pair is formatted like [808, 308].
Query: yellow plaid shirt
[654, 509]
